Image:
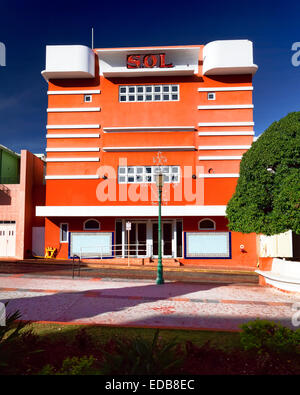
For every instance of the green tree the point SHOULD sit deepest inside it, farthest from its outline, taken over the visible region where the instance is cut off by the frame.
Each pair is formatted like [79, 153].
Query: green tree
[267, 196]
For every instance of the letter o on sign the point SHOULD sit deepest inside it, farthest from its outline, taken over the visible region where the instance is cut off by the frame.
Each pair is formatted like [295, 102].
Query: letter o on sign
[150, 61]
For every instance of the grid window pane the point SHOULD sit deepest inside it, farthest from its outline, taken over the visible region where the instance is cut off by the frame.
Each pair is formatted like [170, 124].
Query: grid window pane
[142, 93]
[140, 174]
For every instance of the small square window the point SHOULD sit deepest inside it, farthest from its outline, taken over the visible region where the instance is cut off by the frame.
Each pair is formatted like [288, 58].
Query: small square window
[140, 89]
[122, 170]
[157, 88]
[148, 97]
[166, 88]
[174, 97]
[131, 97]
[131, 89]
[149, 88]
[123, 89]
[174, 88]
[122, 98]
[211, 96]
[140, 97]
[87, 98]
[122, 179]
[157, 97]
[166, 97]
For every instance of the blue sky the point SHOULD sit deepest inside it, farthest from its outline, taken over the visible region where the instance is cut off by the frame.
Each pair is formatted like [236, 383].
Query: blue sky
[26, 27]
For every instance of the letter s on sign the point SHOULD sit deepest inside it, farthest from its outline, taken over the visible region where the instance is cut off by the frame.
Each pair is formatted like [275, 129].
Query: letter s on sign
[133, 61]
[296, 56]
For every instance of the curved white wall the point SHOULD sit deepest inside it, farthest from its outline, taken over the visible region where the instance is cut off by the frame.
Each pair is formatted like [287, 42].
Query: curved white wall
[228, 57]
[69, 61]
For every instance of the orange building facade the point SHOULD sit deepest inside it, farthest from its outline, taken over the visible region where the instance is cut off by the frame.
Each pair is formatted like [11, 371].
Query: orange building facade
[118, 117]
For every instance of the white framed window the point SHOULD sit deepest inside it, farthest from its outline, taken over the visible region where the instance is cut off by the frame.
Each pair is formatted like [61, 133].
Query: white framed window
[211, 96]
[146, 174]
[148, 93]
[88, 98]
[91, 224]
[64, 233]
[207, 224]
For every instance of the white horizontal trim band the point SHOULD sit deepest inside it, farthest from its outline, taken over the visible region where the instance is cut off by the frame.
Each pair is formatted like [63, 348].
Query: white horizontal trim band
[165, 148]
[225, 107]
[221, 147]
[237, 133]
[93, 126]
[147, 128]
[225, 123]
[74, 109]
[128, 211]
[221, 157]
[73, 177]
[78, 92]
[72, 159]
[220, 89]
[224, 175]
[73, 149]
[72, 135]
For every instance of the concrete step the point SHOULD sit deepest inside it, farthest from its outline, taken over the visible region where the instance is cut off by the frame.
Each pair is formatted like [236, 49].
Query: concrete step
[176, 273]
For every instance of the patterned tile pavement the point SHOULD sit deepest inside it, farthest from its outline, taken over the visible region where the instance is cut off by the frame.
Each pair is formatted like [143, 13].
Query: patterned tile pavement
[142, 303]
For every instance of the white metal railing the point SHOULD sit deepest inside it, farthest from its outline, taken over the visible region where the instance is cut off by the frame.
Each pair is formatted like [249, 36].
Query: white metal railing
[139, 250]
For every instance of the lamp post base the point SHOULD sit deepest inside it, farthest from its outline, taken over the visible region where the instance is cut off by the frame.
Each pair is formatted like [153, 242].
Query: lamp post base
[159, 278]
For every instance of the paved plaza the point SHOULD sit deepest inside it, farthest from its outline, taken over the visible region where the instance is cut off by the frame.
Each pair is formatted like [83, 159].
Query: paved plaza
[142, 303]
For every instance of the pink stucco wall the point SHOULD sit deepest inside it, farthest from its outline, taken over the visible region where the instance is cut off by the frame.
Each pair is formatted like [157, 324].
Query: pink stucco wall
[18, 201]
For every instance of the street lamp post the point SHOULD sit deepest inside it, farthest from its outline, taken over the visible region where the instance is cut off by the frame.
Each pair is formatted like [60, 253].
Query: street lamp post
[159, 183]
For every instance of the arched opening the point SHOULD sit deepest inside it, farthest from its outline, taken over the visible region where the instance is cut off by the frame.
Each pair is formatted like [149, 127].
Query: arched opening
[91, 224]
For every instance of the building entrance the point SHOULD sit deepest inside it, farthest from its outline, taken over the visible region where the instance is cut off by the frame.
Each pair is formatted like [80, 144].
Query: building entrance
[142, 238]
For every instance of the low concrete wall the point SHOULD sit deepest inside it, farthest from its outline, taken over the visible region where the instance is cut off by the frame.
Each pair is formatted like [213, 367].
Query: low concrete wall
[284, 275]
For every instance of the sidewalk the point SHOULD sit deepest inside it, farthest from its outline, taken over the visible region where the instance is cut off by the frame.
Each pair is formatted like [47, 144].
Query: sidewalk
[142, 303]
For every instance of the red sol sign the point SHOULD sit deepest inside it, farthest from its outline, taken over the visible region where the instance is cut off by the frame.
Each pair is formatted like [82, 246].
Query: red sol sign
[148, 61]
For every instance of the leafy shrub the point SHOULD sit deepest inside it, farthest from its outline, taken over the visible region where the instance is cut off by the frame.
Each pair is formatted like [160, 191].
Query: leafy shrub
[266, 336]
[72, 366]
[10, 333]
[141, 356]
[83, 341]
[12, 328]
